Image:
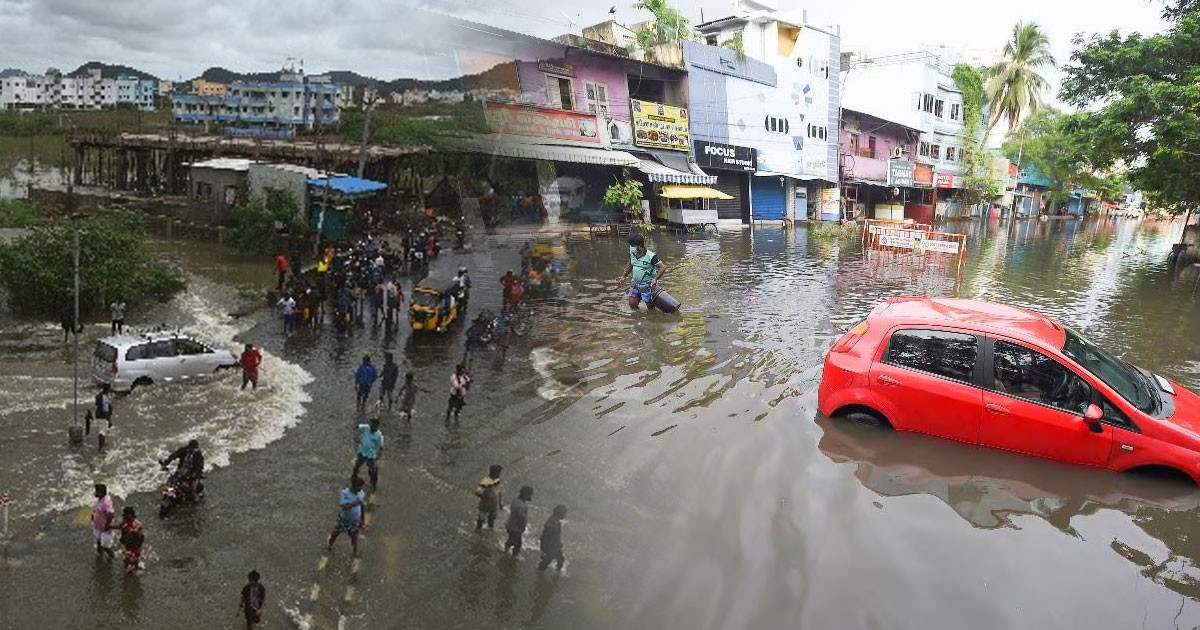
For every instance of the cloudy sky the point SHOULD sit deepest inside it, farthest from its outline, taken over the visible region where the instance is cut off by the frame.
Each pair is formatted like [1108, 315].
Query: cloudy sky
[180, 38]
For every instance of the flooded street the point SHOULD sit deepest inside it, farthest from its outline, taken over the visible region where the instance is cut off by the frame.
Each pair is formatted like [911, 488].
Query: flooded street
[704, 491]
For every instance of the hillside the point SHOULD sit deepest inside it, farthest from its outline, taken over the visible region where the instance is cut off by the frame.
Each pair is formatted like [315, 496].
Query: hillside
[112, 71]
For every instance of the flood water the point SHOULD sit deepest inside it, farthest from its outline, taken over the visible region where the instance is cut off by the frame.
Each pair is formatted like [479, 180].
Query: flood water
[704, 491]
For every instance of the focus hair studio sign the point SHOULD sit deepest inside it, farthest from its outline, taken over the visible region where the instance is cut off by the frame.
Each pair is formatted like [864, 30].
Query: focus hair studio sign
[725, 156]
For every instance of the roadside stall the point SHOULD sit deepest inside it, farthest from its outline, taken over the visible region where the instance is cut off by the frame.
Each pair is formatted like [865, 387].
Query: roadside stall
[338, 204]
[692, 207]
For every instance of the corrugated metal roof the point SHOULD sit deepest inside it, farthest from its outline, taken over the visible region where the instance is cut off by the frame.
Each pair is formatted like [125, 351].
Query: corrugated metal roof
[347, 185]
[225, 164]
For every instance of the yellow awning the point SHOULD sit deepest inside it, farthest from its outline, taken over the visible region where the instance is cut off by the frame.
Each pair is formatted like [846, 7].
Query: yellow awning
[692, 192]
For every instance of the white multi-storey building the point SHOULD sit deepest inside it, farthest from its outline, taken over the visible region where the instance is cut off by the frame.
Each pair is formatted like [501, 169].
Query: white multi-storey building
[792, 123]
[137, 92]
[90, 90]
[916, 90]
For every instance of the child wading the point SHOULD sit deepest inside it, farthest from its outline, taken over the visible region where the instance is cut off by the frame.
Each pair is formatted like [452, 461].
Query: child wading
[132, 538]
[490, 498]
[408, 395]
[387, 386]
[254, 598]
[350, 513]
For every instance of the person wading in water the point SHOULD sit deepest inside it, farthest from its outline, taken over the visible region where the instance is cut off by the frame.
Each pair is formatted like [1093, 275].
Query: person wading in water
[646, 268]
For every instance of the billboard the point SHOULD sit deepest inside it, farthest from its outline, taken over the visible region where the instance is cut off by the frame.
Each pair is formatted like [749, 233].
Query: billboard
[659, 126]
[542, 122]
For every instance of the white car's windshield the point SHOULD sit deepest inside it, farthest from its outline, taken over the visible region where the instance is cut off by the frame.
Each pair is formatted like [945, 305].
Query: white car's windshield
[1117, 374]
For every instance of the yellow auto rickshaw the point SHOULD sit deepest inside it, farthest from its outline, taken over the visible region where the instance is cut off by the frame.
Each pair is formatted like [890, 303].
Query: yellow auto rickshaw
[435, 305]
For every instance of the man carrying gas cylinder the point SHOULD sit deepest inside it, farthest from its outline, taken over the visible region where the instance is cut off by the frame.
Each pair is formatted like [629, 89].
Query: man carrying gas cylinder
[647, 270]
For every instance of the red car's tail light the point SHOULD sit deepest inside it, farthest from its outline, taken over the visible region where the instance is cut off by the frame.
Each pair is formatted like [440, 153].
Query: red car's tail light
[850, 338]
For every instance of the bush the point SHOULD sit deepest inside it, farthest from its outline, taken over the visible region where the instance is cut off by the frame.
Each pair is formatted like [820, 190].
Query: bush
[832, 231]
[38, 270]
[259, 220]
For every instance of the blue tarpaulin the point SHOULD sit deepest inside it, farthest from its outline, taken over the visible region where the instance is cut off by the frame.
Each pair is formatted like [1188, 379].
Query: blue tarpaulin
[347, 185]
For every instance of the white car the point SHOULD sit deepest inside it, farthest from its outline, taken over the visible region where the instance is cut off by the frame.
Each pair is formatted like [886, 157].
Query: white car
[129, 361]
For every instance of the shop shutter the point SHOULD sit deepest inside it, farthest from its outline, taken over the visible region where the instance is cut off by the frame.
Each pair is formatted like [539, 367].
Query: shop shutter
[768, 200]
[732, 184]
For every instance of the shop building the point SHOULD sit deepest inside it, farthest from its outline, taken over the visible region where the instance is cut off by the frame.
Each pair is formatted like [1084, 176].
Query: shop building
[581, 115]
[879, 178]
[790, 120]
[916, 90]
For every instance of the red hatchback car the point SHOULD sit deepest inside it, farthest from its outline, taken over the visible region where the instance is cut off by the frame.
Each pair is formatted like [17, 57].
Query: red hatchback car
[1012, 379]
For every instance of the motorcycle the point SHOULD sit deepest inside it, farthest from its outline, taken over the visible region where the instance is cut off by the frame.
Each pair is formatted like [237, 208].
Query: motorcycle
[174, 494]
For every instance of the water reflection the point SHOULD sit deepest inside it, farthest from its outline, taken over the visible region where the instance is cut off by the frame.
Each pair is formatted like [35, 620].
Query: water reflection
[989, 488]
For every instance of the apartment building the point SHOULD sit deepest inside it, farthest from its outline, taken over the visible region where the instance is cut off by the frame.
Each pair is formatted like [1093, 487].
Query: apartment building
[295, 102]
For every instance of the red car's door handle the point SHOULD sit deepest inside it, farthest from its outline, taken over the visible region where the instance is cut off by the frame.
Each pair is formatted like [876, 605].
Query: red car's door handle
[887, 380]
[996, 409]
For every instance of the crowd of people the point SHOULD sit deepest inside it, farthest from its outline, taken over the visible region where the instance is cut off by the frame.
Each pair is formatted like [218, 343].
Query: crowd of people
[349, 287]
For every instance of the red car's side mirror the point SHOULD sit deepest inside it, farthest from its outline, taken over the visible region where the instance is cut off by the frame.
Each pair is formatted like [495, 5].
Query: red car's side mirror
[1093, 416]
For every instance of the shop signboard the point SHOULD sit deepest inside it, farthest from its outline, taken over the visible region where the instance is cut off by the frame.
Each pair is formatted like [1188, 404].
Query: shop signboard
[943, 180]
[830, 198]
[659, 126]
[725, 156]
[923, 175]
[900, 173]
[542, 122]
[556, 67]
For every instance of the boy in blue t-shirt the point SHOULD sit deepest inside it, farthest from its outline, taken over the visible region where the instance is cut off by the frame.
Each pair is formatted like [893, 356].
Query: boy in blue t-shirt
[351, 502]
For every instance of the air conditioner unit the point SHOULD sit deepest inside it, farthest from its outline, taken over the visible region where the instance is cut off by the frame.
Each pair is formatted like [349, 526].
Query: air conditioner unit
[620, 131]
[898, 152]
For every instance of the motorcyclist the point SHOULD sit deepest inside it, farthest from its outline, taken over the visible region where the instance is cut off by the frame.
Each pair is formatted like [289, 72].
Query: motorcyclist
[190, 468]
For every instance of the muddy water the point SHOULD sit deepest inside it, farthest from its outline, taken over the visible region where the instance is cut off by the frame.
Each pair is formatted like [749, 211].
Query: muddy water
[703, 491]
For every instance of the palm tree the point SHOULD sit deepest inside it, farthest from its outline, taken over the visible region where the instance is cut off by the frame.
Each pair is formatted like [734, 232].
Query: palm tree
[1015, 86]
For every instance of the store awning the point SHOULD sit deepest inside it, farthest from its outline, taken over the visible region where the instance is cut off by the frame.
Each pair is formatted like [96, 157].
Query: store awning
[347, 185]
[506, 146]
[666, 175]
[692, 192]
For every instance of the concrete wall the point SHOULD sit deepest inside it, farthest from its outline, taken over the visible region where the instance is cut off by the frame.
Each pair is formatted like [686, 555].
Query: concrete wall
[213, 193]
[710, 69]
[261, 177]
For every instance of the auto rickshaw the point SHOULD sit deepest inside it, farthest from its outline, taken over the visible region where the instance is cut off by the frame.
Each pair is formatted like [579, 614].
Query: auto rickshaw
[435, 305]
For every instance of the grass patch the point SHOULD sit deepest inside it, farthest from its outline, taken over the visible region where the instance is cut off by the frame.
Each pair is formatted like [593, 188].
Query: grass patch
[830, 230]
[18, 213]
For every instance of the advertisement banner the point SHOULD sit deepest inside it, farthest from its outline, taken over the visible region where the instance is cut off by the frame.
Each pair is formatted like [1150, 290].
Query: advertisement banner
[943, 180]
[725, 156]
[830, 197]
[923, 175]
[660, 126]
[900, 173]
[542, 122]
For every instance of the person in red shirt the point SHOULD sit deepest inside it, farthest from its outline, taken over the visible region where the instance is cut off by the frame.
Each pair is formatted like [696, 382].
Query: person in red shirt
[281, 268]
[251, 358]
[507, 281]
[515, 294]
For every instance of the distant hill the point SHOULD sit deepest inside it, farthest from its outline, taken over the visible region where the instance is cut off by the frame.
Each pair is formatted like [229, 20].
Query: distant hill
[112, 71]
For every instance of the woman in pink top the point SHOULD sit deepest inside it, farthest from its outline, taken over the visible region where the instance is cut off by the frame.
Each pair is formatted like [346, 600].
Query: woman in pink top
[459, 384]
[102, 516]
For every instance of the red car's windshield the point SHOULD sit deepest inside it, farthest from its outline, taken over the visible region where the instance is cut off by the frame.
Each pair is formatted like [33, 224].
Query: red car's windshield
[1117, 374]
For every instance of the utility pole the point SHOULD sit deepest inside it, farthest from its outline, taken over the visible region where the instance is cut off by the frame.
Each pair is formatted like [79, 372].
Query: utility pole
[74, 432]
[368, 106]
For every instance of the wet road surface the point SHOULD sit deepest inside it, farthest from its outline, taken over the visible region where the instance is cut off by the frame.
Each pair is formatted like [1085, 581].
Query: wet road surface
[702, 493]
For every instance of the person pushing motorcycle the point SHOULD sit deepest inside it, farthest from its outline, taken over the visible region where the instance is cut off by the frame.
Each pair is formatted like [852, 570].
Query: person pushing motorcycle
[646, 268]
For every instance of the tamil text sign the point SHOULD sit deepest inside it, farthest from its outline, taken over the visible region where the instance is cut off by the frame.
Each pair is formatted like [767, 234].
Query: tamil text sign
[900, 173]
[660, 126]
[541, 122]
[923, 175]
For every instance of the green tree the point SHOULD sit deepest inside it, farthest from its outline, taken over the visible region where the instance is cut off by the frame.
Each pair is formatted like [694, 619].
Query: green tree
[669, 25]
[259, 219]
[1015, 85]
[737, 45]
[1141, 95]
[37, 270]
[1049, 141]
[978, 184]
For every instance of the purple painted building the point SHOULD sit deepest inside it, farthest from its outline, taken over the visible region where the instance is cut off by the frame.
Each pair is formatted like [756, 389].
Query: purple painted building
[590, 84]
[879, 176]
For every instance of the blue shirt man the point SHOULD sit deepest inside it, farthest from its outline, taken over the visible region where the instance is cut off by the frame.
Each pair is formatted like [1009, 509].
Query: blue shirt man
[364, 378]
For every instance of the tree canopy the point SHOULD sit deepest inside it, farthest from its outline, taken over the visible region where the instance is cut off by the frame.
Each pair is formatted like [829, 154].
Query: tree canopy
[1049, 141]
[37, 270]
[668, 25]
[1015, 84]
[1144, 92]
